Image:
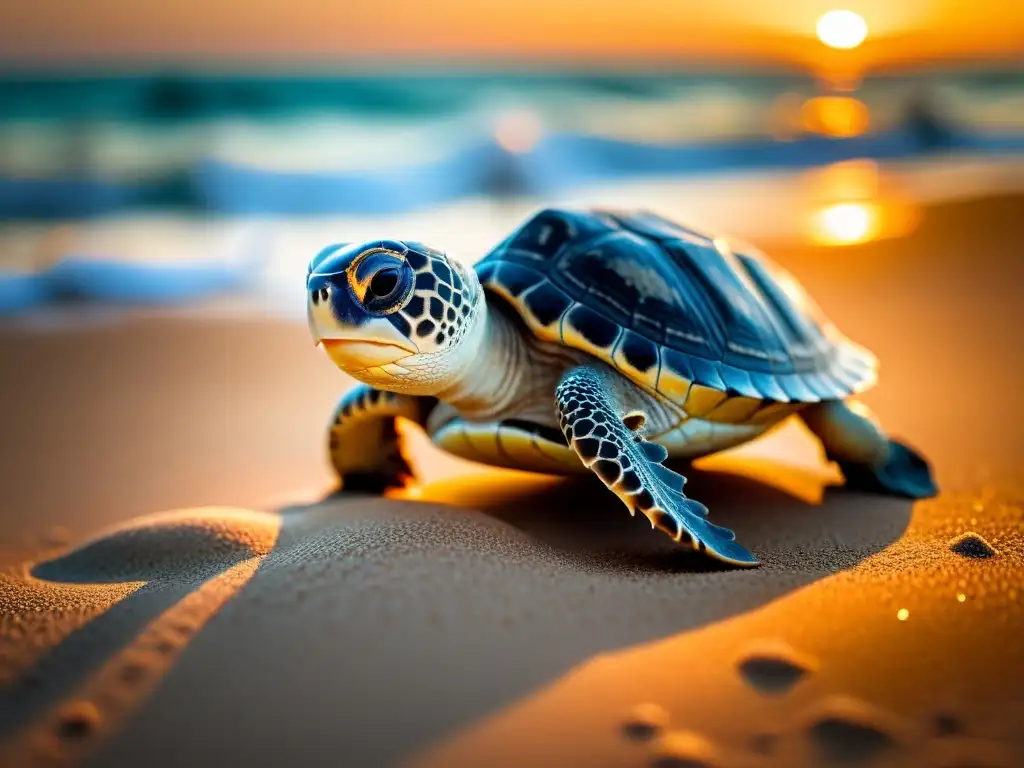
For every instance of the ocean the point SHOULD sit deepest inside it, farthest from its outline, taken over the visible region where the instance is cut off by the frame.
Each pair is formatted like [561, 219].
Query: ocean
[294, 144]
[213, 169]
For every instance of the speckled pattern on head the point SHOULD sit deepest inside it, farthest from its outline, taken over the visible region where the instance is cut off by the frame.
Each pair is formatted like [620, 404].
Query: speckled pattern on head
[442, 300]
[404, 294]
[676, 311]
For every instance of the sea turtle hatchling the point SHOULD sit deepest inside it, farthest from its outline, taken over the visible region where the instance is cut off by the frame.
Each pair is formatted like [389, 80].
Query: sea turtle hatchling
[592, 340]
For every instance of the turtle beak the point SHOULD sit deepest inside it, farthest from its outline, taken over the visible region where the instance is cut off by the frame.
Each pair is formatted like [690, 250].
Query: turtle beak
[354, 354]
[371, 344]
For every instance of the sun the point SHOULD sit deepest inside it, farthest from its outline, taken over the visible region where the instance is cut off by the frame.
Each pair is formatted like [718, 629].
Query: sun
[842, 29]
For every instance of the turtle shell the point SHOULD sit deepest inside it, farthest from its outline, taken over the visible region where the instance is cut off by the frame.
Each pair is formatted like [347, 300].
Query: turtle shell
[691, 316]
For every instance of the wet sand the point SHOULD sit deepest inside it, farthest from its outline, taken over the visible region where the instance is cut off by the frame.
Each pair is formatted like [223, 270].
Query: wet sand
[500, 618]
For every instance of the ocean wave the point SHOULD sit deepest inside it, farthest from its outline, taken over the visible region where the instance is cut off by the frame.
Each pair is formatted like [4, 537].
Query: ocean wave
[188, 96]
[365, 144]
[554, 164]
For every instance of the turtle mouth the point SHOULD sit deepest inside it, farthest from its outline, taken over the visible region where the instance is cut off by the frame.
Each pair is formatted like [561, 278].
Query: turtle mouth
[359, 354]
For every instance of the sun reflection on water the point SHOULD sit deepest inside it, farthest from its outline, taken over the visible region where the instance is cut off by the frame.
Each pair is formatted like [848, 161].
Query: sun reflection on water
[846, 223]
[837, 116]
[853, 202]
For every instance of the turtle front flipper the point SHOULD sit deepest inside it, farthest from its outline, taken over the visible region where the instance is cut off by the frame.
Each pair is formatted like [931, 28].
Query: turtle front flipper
[868, 458]
[604, 433]
[362, 440]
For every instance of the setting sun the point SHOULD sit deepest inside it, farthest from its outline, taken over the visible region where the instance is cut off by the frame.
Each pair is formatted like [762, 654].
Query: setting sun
[842, 29]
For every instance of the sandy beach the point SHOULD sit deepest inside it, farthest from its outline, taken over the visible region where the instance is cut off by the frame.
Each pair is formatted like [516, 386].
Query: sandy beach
[177, 590]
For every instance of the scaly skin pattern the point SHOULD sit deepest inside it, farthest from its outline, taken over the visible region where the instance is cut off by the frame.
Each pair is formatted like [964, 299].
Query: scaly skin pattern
[362, 441]
[591, 418]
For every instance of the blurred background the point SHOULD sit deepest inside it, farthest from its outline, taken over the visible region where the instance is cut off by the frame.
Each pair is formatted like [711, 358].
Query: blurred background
[230, 141]
[167, 170]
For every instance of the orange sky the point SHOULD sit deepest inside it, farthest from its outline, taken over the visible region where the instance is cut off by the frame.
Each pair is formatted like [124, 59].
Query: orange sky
[583, 31]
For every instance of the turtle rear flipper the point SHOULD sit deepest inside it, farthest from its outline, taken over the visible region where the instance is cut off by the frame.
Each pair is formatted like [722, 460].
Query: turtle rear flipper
[592, 420]
[868, 458]
[904, 473]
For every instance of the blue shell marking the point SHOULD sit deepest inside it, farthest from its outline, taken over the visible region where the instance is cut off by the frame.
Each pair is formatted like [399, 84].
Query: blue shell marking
[665, 303]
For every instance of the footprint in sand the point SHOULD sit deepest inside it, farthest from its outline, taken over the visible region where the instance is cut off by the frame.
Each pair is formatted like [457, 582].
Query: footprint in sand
[684, 749]
[772, 667]
[77, 721]
[848, 731]
[644, 722]
[972, 545]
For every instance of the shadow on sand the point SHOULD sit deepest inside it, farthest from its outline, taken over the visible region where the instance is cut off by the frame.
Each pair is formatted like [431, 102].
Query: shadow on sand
[163, 561]
[376, 626]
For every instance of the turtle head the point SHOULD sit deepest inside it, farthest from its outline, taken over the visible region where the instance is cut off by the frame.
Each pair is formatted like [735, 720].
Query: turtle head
[396, 315]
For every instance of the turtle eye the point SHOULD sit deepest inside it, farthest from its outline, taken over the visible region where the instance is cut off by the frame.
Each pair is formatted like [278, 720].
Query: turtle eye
[388, 288]
[384, 283]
